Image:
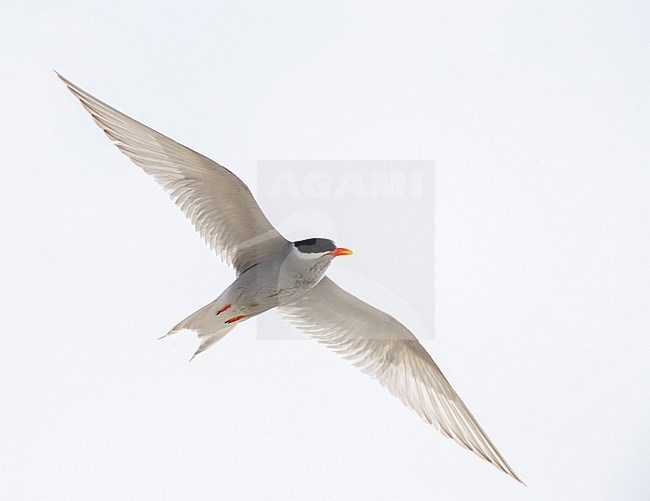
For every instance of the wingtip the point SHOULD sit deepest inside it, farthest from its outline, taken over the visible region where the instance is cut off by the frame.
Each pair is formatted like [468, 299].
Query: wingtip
[512, 474]
[60, 76]
[509, 471]
[520, 481]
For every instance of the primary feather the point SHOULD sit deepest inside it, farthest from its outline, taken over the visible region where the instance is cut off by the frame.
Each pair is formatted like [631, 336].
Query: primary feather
[218, 203]
[386, 350]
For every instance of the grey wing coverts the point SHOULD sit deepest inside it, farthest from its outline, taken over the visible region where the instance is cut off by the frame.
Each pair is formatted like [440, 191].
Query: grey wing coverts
[218, 203]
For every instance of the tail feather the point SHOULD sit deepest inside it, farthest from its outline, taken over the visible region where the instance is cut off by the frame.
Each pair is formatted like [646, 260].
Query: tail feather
[209, 327]
[209, 340]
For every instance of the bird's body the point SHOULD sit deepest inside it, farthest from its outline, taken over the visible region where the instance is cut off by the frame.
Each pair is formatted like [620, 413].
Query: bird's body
[279, 279]
[273, 272]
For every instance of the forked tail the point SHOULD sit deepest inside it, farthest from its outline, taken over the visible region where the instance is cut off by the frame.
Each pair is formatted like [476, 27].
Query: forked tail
[208, 325]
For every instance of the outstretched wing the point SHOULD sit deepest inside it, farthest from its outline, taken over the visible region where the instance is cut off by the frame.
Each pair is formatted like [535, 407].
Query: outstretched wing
[218, 203]
[382, 347]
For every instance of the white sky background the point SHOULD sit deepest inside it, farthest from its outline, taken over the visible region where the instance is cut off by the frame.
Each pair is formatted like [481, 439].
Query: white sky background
[537, 116]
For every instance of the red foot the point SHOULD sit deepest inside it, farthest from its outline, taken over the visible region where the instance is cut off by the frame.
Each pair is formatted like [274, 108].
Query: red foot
[224, 308]
[234, 319]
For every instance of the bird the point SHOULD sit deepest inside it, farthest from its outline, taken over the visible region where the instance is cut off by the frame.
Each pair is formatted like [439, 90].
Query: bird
[273, 272]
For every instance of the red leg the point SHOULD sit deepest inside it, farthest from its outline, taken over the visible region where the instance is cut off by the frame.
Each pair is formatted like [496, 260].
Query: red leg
[234, 319]
[224, 308]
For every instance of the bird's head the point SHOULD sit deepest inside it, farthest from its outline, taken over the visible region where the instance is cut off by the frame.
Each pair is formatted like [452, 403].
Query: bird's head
[316, 248]
[308, 261]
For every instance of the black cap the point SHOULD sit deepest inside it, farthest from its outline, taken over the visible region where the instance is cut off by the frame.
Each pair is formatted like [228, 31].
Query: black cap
[315, 245]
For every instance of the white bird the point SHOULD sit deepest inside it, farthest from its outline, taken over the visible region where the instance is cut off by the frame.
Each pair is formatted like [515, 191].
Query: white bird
[274, 272]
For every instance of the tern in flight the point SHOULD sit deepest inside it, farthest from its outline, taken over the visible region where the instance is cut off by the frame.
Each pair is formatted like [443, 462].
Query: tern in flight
[273, 272]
